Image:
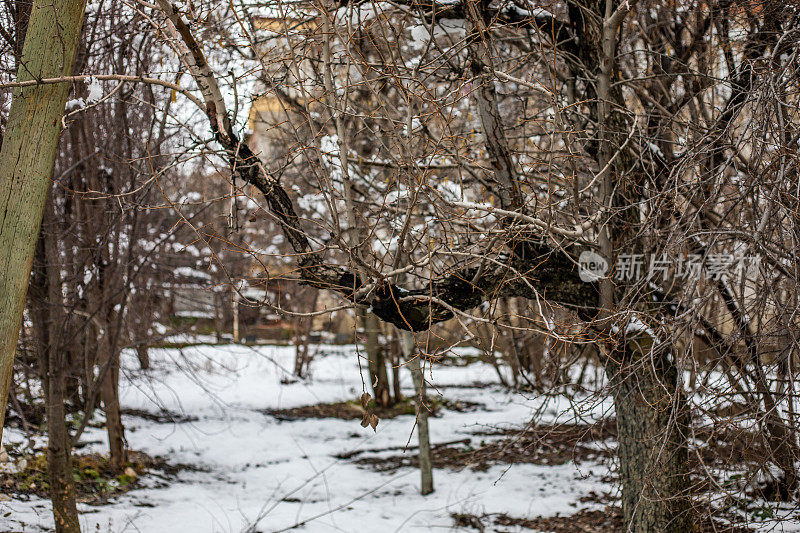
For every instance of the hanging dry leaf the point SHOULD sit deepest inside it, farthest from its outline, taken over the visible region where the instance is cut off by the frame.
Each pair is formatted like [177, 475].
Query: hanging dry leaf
[365, 398]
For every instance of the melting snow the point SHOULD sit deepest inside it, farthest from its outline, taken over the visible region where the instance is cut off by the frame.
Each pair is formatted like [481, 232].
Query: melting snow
[259, 469]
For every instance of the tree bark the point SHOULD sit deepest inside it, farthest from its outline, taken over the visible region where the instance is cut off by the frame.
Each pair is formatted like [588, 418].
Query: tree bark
[26, 160]
[143, 355]
[303, 325]
[652, 419]
[53, 366]
[648, 397]
[59, 453]
[376, 358]
[109, 395]
[425, 465]
[301, 347]
[396, 360]
[235, 306]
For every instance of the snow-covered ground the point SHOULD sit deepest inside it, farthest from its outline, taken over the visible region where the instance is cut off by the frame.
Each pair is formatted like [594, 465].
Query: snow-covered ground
[257, 473]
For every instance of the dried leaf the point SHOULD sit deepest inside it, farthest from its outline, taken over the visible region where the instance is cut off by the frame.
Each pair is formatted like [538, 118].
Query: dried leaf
[373, 421]
[365, 420]
[365, 398]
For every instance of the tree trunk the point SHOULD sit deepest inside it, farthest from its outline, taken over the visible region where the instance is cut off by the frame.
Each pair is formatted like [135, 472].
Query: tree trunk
[396, 361]
[376, 358]
[53, 367]
[648, 397]
[26, 161]
[235, 305]
[652, 418]
[59, 453]
[109, 395]
[425, 465]
[301, 358]
[143, 355]
[219, 315]
[302, 339]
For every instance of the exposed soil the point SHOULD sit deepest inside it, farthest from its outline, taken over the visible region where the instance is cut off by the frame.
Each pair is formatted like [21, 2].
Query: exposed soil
[353, 409]
[542, 444]
[585, 521]
[164, 416]
[95, 480]
[607, 520]
[470, 385]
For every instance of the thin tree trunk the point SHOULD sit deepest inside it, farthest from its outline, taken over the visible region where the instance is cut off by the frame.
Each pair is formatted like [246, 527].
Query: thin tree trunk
[376, 356]
[301, 342]
[143, 355]
[53, 366]
[481, 54]
[512, 354]
[59, 453]
[396, 360]
[235, 304]
[302, 336]
[26, 161]
[219, 319]
[425, 465]
[301, 345]
[109, 395]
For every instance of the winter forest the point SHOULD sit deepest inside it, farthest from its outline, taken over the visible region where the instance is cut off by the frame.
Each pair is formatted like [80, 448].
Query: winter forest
[421, 265]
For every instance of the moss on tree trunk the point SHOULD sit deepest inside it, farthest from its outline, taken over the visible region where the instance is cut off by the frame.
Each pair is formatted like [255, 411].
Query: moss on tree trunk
[26, 160]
